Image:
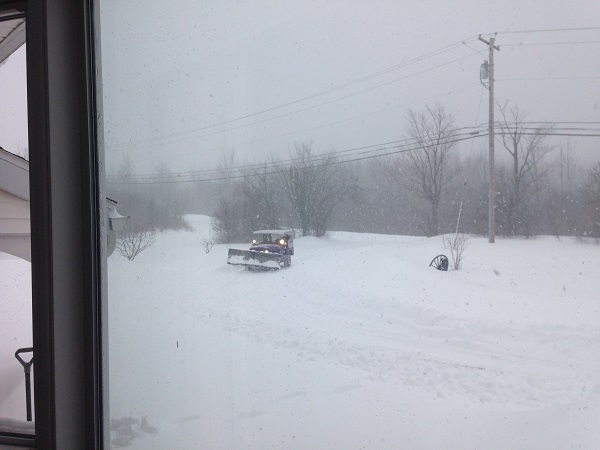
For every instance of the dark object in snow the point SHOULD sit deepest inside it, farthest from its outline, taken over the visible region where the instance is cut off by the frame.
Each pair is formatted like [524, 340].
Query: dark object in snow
[440, 262]
[27, 368]
[271, 250]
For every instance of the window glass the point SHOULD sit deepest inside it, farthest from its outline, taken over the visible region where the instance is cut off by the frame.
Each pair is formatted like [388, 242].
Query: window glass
[301, 250]
[16, 353]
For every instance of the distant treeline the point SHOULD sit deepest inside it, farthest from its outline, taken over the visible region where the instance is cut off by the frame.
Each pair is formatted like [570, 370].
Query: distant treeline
[540, 188]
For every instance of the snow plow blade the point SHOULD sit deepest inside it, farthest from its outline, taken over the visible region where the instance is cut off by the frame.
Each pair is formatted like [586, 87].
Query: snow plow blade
[254, 260]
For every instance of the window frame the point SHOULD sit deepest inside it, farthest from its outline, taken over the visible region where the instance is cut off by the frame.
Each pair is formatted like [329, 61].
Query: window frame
[66, 221]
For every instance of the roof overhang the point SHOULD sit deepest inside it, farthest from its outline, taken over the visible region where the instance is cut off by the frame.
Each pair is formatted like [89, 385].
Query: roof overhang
[14, 175]
[12, 27]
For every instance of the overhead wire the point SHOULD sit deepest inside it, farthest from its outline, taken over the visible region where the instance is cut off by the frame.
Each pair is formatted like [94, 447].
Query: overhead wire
[548, 78]
[374, 147]
[555, 134]
[551, 129]
[328, 124]
[367, 150]
[550, 43]
[315, 95]
[161, 142]
[458, 130]
[547, 30]
[560, 121]
[335, 161]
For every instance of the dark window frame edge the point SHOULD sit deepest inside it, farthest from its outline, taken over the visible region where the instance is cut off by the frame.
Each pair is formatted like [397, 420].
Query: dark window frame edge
[65, 213]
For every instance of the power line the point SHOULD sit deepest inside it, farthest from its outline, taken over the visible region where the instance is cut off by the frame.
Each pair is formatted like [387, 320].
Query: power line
[247, 167]
[550, 43]
[329, 163]
[328, 124]
[550, 125]
[336, 88]
[277, 167]
[549, 79]
[560, 121]
[559, 129]
[398, 106]
[548, 30]
[474, 49]
[550, 128]
[461, 131]
[162, 139]
[554, 134]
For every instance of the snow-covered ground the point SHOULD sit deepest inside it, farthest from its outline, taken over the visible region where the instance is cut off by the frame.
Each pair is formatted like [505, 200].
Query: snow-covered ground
[358, 345]
[15, 333]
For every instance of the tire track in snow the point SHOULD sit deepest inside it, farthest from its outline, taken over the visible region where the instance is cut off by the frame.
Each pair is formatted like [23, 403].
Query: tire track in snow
[431, 360]
[319, 309]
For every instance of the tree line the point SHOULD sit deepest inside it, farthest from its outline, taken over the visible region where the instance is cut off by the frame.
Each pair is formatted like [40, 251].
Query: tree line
[541, 188]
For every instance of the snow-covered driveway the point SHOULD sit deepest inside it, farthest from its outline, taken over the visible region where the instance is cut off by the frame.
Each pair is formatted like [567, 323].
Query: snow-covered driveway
[358, 345]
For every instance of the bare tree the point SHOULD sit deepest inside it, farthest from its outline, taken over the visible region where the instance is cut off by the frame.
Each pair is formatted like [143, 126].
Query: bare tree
[227, 222]
[135, 239]
[333, 185]
[225, 168]
[472, 190]
[251, 204]
[568, 168]
[207, 244]
[313, 186]
[457, 244]
[561, 203]
[258, 197]
[296, 182]
[428, 170]
[592, 195]
[161, 205]
[527, 148]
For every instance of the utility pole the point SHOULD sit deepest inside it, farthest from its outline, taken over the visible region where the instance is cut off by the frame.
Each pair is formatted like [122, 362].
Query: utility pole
[492, 193]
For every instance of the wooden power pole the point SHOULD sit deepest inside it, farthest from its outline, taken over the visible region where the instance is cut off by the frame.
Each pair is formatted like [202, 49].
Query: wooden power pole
[492, 193]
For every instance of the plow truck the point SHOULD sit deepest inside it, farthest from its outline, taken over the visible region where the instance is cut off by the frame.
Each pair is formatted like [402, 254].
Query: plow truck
[270, 250]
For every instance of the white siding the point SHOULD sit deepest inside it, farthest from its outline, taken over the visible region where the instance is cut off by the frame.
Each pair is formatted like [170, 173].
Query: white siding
[14, 214]
[14, 226]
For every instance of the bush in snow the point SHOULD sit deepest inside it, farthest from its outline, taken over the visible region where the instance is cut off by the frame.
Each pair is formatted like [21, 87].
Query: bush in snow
[457, 244]
[135, 239]
[207, 245]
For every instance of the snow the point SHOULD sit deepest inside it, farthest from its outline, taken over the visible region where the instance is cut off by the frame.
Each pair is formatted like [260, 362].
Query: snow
[15, 333]
[359, 344]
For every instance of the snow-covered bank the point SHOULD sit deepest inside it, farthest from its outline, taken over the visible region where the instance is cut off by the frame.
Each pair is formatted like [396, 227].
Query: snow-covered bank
[15, 333]
[358, 345]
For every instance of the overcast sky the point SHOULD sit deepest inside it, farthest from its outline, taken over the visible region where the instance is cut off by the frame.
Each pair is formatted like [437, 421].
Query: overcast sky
[178, 82]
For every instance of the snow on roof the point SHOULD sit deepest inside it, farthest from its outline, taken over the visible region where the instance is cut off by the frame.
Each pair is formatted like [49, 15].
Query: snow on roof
[12, 34]
[14, 174]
